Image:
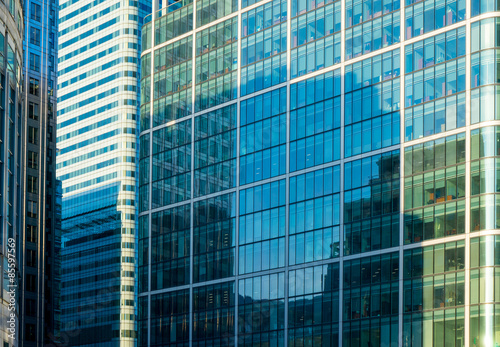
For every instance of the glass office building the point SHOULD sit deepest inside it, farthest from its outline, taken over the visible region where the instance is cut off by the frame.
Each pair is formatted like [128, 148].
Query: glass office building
[97, 135]
[11, 168]
[40, 312]
[320, 173]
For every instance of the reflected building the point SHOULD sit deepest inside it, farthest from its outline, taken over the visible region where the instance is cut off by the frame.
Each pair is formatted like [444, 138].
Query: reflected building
[12, 147]
[41, 314]
[319, 173]
[99, 45]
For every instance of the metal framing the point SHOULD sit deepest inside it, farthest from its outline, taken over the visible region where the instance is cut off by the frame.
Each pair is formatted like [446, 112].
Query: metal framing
[402, 247]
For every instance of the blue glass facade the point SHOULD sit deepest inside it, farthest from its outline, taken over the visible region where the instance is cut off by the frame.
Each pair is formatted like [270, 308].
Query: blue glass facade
[41, 278]
[327, 175]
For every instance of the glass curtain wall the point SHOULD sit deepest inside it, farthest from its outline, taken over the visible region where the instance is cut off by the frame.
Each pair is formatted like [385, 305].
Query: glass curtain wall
[336, 182]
